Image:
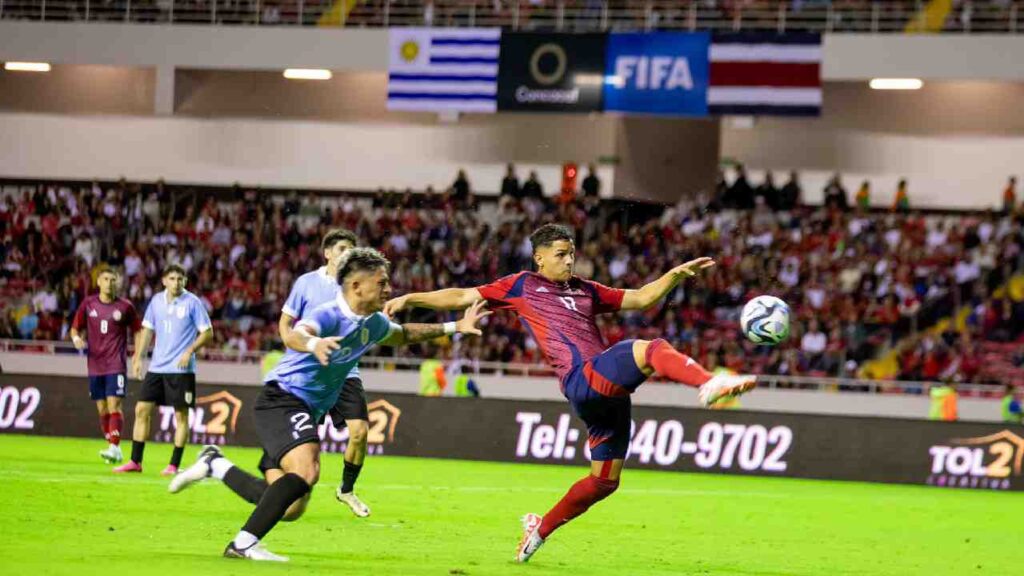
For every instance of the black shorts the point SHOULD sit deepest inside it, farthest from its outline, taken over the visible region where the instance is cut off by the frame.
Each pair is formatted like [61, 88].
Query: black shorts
[177, 390]
[351, 404]
[283, 421]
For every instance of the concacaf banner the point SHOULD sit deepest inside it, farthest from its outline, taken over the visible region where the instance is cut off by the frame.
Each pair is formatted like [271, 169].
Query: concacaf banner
[665, 73]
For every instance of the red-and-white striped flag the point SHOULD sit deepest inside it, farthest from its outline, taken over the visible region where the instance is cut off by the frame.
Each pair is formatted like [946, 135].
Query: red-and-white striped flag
[765, 74]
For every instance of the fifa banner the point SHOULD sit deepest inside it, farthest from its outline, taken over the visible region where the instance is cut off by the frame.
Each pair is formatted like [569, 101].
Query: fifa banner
[551, 72]
[662, 73]
[942, 454]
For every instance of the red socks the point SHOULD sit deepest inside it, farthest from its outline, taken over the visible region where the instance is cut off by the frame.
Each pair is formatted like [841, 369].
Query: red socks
[576, 501]
[671, 364]
[114, 428]
[105, 426]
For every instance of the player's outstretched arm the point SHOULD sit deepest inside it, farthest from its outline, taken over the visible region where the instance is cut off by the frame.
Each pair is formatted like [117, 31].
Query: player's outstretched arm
[303, 339]
[447, 299]
[413, 333]
[649, 295]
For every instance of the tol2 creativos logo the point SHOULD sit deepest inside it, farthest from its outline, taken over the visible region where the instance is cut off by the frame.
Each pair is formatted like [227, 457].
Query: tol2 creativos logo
[383, 420]
[211, 421]
[663, 73]
[992, 462]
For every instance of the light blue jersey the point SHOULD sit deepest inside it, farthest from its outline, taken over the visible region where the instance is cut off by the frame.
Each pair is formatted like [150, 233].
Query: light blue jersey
[302, 375]
[176, 325]
[311, 290]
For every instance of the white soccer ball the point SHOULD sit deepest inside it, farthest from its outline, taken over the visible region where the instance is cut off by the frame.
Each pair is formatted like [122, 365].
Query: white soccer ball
[765, 320]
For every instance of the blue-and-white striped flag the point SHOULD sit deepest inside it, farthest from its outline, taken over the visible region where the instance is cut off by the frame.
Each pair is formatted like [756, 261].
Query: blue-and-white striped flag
[439, 69]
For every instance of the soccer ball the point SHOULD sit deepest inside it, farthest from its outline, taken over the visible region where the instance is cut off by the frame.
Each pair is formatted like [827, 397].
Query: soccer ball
[765, 320]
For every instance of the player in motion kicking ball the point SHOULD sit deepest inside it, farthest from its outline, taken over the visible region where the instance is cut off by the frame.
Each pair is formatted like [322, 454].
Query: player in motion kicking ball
[559, 310]
[322, 349]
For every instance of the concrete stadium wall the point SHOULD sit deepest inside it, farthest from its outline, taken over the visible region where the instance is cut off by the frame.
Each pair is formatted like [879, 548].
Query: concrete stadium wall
[846, 56]
[530, 388]
[955, 142]
[299, 154]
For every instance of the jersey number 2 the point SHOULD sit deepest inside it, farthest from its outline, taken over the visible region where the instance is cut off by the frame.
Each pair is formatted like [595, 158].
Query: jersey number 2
[569, 302]
[300, 422]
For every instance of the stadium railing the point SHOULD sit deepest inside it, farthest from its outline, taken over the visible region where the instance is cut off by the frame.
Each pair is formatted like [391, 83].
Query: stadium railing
[562, 15]
[811, 384]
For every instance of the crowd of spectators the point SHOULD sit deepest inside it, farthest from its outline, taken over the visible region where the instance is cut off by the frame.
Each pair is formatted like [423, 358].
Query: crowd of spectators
[857, 280]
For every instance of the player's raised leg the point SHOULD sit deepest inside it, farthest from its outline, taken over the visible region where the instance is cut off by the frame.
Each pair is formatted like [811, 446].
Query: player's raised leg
[212, 463]
[658, 356]
[301, 467]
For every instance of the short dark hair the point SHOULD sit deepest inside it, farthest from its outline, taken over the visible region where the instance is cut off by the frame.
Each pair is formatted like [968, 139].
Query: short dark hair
[174, 268]
[338, 235]
[360, 260]
[104, 268]
[548, 234]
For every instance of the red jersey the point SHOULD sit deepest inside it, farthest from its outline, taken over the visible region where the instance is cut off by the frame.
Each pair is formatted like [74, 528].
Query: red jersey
[106, 329]
[560, 316]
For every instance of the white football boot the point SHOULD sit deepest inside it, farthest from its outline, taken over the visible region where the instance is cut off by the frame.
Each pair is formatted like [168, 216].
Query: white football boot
[725, 385]
[255, 552]
[353, 502]
[112, 454]
[531, 541]
[197, 472]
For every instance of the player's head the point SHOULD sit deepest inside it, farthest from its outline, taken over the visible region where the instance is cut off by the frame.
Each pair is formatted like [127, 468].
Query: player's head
[106, 280]
[337, 242]
[363, 277]
[554, 251]
[174, 279]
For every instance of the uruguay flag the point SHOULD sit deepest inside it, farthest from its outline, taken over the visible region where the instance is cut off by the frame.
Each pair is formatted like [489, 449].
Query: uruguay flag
[439, 69]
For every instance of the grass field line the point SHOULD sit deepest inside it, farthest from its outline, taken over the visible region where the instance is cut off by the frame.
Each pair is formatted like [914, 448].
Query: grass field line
[92, 478]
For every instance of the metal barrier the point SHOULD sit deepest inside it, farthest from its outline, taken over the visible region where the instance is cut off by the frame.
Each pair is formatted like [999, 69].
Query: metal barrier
[562, 15]
[819, 384]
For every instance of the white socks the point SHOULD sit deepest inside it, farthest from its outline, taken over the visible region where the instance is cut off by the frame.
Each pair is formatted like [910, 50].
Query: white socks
[219, 467]
[245, 540]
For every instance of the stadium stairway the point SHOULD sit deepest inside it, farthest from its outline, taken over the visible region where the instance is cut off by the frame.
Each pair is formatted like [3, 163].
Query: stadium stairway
[996, 356]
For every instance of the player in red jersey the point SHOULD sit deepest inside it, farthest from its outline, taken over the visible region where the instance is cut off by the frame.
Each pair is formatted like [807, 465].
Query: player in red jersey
[559, 311]
[102, 323]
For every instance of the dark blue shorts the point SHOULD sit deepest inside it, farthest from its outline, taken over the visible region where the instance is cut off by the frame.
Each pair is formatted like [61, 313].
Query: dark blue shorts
[599, 391]
[101, 387]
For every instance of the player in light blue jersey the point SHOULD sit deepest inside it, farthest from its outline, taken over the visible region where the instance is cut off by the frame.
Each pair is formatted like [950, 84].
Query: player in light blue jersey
[304, 386]
[179, 320]
[308, 292]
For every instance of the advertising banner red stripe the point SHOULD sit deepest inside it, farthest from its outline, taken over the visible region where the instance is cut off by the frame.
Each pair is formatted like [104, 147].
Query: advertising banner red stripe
[765, 74]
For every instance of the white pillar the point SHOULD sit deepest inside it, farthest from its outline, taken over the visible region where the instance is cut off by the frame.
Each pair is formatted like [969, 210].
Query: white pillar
[163, 97]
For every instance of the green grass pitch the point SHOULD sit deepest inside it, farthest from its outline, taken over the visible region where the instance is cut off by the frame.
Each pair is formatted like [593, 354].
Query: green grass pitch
[63, 512]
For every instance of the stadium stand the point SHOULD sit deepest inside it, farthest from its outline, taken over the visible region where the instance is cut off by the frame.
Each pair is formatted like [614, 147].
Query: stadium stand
[861, 281]
[893, 16]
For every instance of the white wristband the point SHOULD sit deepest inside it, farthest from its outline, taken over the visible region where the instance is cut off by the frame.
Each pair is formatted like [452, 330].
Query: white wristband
[311, 344]
[449, 328]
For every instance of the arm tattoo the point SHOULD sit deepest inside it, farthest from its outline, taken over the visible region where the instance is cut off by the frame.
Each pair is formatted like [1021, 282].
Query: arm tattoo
[421, 332]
